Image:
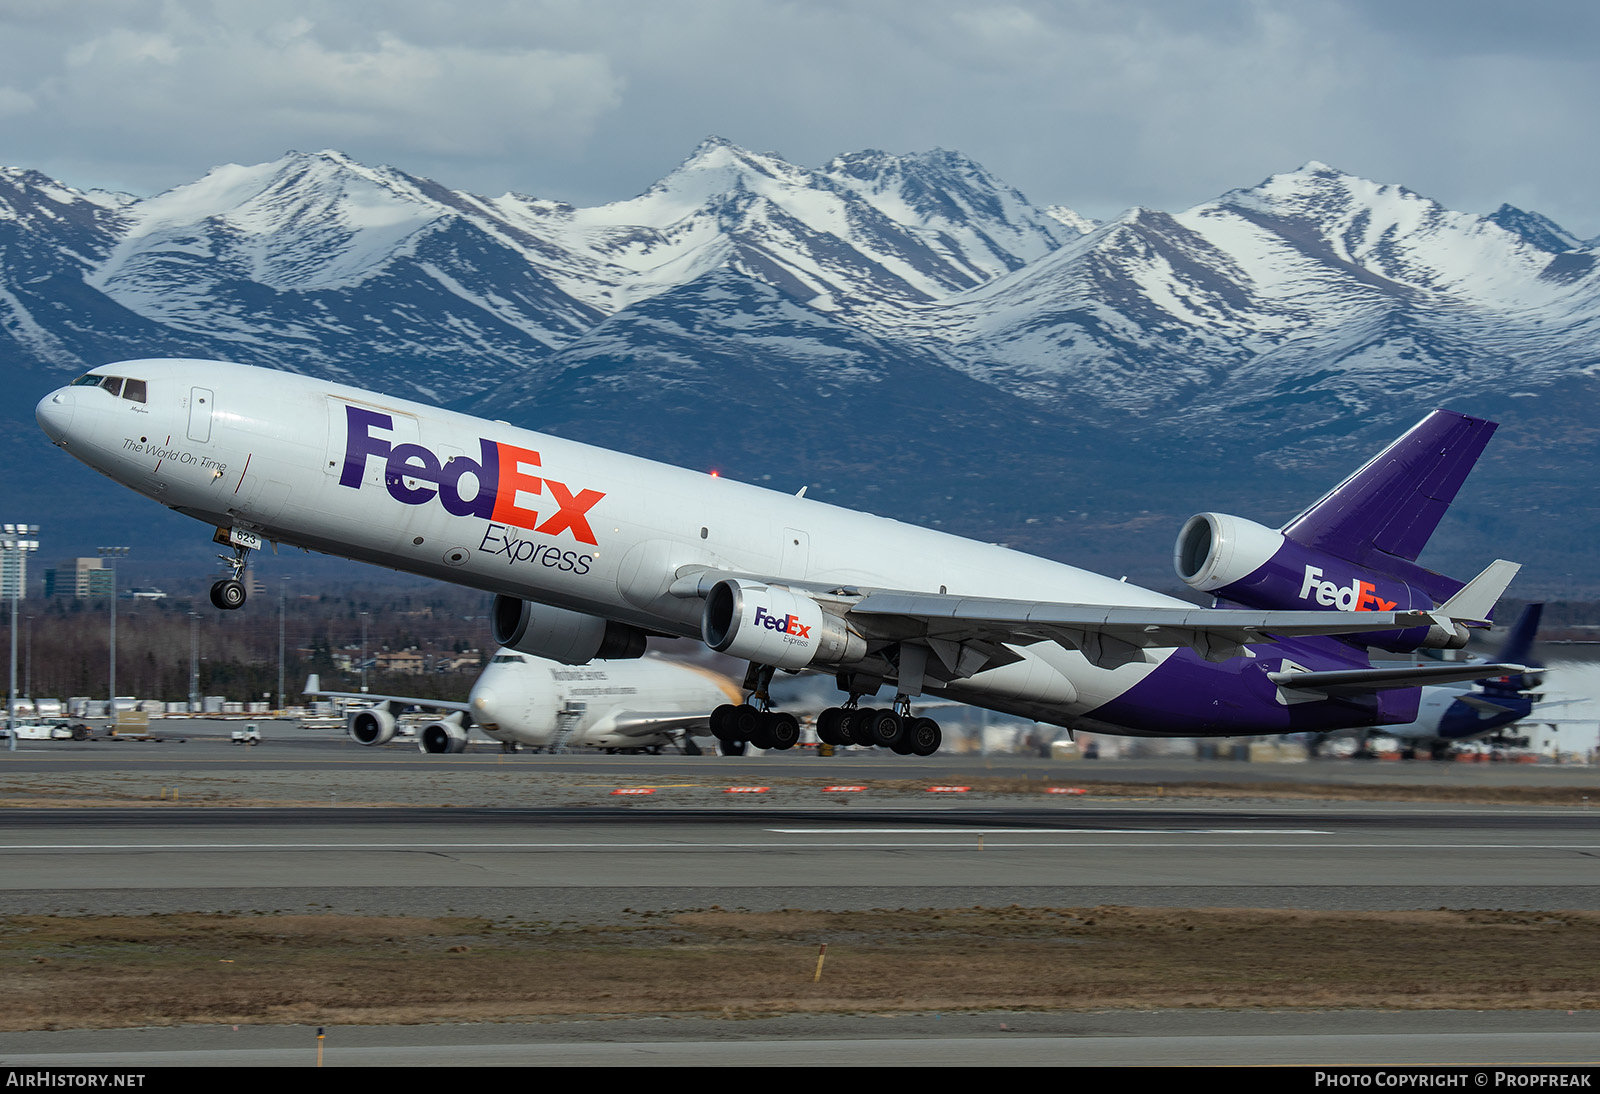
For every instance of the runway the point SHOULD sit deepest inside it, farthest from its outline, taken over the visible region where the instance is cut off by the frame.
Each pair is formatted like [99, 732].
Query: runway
[1473, 1041]
[595, 862]
[568, 852]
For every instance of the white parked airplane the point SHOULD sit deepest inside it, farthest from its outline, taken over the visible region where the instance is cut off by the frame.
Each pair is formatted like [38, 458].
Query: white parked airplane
[1448, 716]
[592, 552]
[523, 700]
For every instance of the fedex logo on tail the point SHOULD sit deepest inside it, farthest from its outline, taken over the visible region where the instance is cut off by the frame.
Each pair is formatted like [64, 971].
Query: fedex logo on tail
[503, 487]
[1358, 596]
[789, 624]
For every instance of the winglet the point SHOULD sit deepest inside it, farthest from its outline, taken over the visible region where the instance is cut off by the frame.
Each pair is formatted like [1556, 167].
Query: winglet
[313, 684]
[1477, 598]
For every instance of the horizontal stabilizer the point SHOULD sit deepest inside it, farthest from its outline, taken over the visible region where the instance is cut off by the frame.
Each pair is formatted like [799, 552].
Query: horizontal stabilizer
[1375, 679]
[1476, 600]
[1484, 707]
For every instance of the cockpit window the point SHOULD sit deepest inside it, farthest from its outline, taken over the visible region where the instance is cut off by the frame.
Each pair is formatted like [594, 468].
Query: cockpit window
[506, 659]
[133, 390]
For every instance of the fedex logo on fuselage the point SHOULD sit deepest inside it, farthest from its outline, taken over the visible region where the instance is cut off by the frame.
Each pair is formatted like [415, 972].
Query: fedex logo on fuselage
[789, 624]
[503, 488]
[1358, 596]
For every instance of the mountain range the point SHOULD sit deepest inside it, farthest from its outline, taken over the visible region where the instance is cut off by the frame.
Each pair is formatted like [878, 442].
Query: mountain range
[901, 333]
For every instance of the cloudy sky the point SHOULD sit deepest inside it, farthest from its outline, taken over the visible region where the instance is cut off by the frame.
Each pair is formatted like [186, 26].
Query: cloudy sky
[1095, 104]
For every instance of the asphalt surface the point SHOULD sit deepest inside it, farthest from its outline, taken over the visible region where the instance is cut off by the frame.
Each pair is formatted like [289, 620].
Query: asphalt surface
[313, 823]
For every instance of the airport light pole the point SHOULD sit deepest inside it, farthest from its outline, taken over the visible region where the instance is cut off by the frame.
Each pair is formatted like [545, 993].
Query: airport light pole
[16, 548]
[281, 597]
[363, 651]
[194, 663]
[113, 553]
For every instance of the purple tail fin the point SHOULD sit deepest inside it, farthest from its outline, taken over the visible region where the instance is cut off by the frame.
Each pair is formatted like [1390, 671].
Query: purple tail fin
[1381, 516]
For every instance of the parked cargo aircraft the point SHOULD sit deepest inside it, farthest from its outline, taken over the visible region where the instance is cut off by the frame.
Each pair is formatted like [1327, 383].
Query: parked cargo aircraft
[591, 552]
[1448, 716]
[522, 700]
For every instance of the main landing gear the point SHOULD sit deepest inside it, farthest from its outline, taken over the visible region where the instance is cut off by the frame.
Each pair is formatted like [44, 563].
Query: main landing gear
[754, 722]
[896, 729]
[229, 593]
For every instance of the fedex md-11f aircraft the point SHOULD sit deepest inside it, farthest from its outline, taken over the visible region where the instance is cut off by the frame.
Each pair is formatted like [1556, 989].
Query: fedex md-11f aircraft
[591, 552]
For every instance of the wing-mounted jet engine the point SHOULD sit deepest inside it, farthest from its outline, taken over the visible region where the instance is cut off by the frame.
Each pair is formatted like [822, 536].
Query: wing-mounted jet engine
[447, 735]
[374, 725]
[556, 634]
[776, 626]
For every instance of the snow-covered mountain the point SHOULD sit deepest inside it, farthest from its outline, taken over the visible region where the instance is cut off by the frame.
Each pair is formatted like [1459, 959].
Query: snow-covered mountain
[898, 313]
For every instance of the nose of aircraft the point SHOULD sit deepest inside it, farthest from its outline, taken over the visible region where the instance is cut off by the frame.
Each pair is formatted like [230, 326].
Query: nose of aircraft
[54, 413]
[483, 708]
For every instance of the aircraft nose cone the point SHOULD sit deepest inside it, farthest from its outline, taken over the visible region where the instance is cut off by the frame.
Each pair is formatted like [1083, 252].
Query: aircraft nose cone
[483, 712]
[54, 413]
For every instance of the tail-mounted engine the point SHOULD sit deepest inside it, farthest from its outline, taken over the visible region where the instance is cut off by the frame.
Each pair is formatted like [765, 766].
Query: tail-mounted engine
[556, 634]
[1245, 563]
[772, 625]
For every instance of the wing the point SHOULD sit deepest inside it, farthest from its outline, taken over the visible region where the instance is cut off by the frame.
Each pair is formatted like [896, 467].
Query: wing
[1105, 635]
[968, 635]
[314, 687]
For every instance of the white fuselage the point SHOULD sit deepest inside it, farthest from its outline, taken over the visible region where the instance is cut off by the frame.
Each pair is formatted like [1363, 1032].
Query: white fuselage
[520, 699]
[320, 465]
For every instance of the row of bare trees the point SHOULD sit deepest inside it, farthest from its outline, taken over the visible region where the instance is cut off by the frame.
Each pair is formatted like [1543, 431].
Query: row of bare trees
[63, 646]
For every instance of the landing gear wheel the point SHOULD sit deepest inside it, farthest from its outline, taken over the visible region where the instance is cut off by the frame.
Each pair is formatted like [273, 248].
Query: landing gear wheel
[744, 722]
[828, 727]
[733, 748]
[861, 727]
[783, 729]
[228, 594]
[762, 736]
[722, 723]
[925, 736]
[882, 729]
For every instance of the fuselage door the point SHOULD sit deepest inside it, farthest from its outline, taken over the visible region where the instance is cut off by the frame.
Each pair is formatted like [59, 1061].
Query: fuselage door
[201, 400]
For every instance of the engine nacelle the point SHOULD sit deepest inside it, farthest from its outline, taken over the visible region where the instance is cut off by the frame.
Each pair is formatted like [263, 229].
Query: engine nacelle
[1243, 562]
[371, 725]
[447, 735]
[556, 634]
[771, 625]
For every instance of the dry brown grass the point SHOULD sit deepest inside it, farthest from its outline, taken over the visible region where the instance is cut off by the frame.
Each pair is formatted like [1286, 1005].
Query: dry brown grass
[100, 971]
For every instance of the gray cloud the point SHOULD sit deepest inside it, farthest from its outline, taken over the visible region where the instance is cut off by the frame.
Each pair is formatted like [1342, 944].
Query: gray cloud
[1098, 104]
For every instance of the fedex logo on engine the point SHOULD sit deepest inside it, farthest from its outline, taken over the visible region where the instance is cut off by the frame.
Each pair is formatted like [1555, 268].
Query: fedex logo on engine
[503, 489]
[1358, 596]
[789, 624]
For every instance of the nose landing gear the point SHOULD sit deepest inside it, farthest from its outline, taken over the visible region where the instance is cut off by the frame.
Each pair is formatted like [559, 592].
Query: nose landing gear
[229, 593]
